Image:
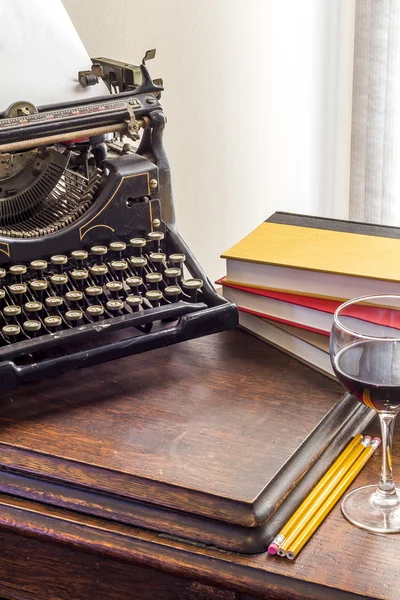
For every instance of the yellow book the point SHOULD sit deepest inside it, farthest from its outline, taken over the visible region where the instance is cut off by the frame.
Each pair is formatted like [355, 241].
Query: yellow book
[317, 257]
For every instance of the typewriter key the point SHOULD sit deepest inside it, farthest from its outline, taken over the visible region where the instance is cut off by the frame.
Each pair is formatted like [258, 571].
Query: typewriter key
[18, 271]
[59, 260]
[155, 237]
[32, 327]
[72, 316]
[153, 279]
[99, 251]
[138, 263]
[98, 272]
[154, 296]
[173, 273]
[11, 330]
[158, 259]
[17, 289]
[192, 286]
[134, 302]
[38, 285]
[177, 258]
[138, 244]
[114, 305]
[11, 311]
[119, 266]
[134, 283]
[172, 292]
[94, 290]
[39, 266]
[53, 302]
[59, 279]
[79, 276]
[52, 322]
[33, 306]
[118, 248]
[114, 287]
[3, 273]
[79, 256]
[95, 311]
[73, 297]
[2, 294]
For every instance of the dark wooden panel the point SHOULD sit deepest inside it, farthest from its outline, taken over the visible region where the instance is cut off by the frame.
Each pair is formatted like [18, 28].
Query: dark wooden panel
[30, 570]
[197, 427]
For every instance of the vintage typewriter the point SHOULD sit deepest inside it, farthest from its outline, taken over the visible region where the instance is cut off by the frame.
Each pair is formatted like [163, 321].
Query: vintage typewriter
[92, 266]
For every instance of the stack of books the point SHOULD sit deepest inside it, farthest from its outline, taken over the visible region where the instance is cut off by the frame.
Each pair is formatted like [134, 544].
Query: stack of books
[290, 274]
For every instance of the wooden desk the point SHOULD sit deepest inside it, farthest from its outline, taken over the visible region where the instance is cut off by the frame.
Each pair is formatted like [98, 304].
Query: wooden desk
[52, 553]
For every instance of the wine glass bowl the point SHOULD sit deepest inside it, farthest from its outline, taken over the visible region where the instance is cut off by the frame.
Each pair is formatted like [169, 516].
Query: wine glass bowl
[365, 355]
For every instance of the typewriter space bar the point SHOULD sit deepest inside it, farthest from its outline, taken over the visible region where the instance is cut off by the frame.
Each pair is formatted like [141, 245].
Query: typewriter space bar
[45, 342]
[190, 326]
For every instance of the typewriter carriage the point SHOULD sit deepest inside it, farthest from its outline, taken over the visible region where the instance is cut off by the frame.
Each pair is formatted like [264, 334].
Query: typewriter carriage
[67, 183]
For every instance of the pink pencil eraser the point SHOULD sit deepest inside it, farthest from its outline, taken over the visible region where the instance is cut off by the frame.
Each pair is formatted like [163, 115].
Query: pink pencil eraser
[273, 548]
[368, 437]
[377, 439]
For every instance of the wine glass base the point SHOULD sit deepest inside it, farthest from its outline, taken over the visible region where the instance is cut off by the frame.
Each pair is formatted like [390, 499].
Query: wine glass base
[363, 508]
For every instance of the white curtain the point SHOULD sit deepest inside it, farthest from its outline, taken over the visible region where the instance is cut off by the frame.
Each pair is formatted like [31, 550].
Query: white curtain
[375, 139]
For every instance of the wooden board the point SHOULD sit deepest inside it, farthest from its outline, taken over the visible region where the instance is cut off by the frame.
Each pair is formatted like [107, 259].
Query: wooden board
[140, 441]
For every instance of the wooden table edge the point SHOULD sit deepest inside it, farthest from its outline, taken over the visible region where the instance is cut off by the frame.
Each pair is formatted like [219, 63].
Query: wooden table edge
[148, 549]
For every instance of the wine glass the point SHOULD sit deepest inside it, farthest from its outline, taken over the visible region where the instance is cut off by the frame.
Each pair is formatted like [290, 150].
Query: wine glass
[365, 355]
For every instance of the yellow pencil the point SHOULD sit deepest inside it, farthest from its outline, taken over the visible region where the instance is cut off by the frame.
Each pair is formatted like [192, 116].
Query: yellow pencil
[325, 509]
[337, 466]
[325, 492]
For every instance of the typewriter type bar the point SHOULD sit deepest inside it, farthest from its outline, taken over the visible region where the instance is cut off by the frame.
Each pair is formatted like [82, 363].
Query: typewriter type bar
[92, 267]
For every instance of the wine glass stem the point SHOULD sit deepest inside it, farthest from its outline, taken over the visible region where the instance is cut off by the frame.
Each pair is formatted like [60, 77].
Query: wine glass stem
[386, 487]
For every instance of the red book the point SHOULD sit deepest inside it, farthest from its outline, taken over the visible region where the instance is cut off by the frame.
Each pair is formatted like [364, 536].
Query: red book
[306, 312]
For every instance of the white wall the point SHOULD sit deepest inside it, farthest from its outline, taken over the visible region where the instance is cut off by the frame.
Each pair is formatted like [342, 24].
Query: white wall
[258, 100]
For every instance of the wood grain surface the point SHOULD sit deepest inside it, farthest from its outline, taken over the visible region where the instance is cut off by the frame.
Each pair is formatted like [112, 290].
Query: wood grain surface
[176, 428]
[339, 563]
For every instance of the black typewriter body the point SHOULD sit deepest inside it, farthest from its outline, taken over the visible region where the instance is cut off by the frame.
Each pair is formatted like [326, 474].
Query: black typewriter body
[92, 267]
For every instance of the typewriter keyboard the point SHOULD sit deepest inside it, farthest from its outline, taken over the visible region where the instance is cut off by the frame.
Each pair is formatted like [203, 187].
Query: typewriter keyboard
[92, 286]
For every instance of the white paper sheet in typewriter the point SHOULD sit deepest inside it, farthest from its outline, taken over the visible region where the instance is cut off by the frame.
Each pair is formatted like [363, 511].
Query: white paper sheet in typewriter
[41, 54]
